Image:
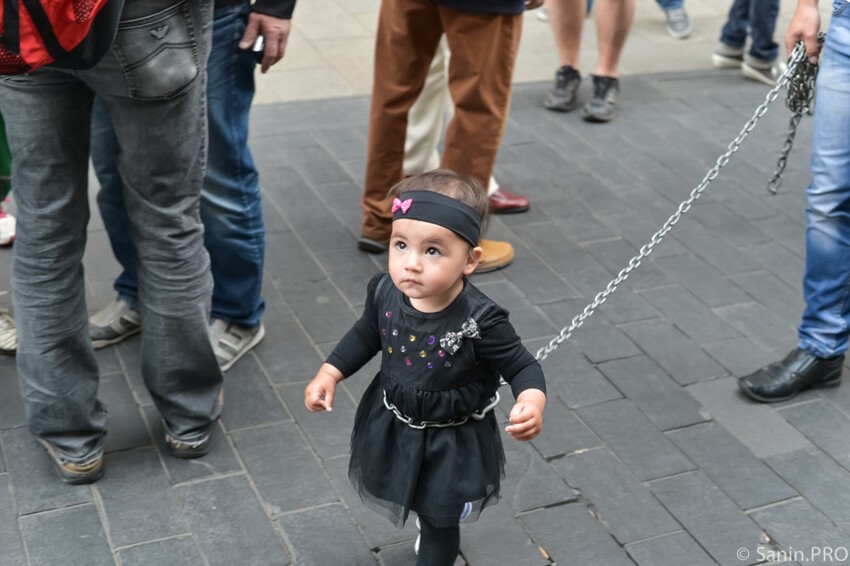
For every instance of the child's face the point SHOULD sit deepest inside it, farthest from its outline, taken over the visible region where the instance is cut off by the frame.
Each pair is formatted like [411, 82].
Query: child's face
[428, 262]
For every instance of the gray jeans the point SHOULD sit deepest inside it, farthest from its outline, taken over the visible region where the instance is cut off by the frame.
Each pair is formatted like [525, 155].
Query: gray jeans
[153, 83]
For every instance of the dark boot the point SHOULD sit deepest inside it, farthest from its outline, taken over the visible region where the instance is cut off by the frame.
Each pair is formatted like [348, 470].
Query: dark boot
[799, 370]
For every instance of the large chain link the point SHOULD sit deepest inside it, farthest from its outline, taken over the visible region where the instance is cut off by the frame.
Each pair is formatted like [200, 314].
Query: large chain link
[801, 94]
[794, 64]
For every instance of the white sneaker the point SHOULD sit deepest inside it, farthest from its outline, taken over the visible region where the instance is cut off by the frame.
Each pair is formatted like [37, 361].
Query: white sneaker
[113, 323]
[230, 341]
[7, 228]
[767, 72]
[8, 334]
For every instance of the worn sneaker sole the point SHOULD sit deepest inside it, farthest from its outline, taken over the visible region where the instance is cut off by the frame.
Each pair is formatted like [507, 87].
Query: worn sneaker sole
[74, 474]
[726, 62]
[559, 105]
[757, 75]
[254, 341]
[188, 450]
[98, 344]
[597, 118]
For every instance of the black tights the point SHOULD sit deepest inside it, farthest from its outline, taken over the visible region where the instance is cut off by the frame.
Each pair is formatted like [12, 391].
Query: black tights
[439, 546]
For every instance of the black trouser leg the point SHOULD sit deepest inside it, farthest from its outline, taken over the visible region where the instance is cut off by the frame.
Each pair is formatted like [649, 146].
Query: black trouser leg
[438, 546]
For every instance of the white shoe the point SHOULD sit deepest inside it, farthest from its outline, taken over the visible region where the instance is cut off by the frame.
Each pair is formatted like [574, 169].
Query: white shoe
[8, 334]
[230, 341]
[7, 228]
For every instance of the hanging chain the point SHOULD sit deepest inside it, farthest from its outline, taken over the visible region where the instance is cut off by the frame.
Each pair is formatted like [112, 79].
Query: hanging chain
[794, 63]
[801, 94]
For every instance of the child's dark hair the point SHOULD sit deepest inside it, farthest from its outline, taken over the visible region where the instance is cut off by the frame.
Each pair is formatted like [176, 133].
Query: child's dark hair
[455, 185]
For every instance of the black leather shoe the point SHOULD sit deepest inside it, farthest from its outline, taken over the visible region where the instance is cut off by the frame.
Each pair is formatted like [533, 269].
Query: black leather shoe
[799, 370]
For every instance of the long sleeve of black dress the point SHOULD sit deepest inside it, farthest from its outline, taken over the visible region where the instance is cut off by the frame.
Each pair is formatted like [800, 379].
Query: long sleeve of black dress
[362, 341]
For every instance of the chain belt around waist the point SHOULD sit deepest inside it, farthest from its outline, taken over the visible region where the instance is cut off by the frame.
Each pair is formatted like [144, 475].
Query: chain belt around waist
[420, 425]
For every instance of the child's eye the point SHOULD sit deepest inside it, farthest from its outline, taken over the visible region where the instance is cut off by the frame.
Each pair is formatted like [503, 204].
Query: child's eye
[432, 251]
[401, 246]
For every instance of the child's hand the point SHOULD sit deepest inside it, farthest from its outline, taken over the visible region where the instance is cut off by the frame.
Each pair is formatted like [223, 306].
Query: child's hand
[527, 415]
[319, 394]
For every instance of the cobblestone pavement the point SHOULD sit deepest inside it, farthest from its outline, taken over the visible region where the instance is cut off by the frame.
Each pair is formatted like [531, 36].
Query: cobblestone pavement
[649, 454]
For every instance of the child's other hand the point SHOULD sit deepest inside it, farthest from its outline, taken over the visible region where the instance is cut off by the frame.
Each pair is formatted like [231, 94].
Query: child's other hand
[527, 415]
[319, 394]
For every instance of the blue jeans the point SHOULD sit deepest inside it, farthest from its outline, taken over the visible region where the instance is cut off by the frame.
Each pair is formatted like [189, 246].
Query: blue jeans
[231, 205]
[758, 18]
[670, 4]
[825, 325]
[160, 122]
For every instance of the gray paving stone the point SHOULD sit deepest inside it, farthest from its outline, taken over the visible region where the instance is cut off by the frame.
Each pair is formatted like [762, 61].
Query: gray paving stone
[767, 289]
[573, 379]
[139, 503]
[11, 408]
[283, 251]
[704, 243]
[535, 280]
[249, 399]
[819, 479]
[342, 143]
[655, 394]
[709, 516]
[669, 550]
[497, 537]
[286, 355]
[66, 536]
[350, 272]
[563, 432]
[320, 309]
[624, 504]
[635, 229]
[562, 255]
[680, 356]
[740, 356]
[128, 431]
[774, 335]
[230, 523]
[570, 535]
[283, 468]
[731, 227]
[273, 220]
[307, 532]
[180, 551]
[702, 280]
[220, 460]
[789, 234]
[530, 482]
[802, 532]
[107, 361]
[401, 554]
[639, 444]
[345, 199]
[616, 254]
[574, 220]
[690, 314]
[759, 427]
[36, 485]
[379, 532]
[324, 431]
[779, 260]
[130, 354]
[525, 317]
[731, 466]
[10, 537]
[824, 425]
[2, 459]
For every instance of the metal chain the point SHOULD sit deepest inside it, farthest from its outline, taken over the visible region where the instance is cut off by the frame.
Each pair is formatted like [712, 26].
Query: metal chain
[797, 56]
[801, 94]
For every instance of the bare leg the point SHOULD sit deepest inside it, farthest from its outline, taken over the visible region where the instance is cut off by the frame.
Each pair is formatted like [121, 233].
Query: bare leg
[567, 20]
[613, 22]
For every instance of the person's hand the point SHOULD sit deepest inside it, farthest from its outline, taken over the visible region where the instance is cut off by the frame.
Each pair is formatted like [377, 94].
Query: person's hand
[275, 32]
[527, 415]
[804, 26]
[533, 4]
[319, 394]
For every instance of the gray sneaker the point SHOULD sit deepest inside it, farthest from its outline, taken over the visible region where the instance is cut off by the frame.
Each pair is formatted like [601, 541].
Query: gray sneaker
[230, 341]
[726, 57]
[678, 23]
[113, 323]
[8, 334]
[606, 97]
[564, 95]
[767, 72]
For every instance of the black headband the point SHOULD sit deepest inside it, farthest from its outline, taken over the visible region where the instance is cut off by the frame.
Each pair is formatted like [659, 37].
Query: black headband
[437, 208]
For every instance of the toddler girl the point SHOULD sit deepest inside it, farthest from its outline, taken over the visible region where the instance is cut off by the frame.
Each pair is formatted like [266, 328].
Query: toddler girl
[425, 436]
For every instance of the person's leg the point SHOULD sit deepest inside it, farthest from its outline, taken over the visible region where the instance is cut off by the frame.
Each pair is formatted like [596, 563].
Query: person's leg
[483, 48]
[426, 117]
[763, 14]
[734, 32]
[670, 4]
[56, 365]
[825, 324]
[162, 171]
[566, 17]
[110, 202]
[678, 23]
[613, 22]
[408, 35]
[439, 546]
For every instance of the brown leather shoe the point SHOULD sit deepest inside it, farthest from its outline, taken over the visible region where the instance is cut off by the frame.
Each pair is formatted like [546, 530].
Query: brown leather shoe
[496, 256]
[506, 202]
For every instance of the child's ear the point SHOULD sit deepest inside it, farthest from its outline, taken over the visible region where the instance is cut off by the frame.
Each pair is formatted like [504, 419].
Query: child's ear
[472, 260]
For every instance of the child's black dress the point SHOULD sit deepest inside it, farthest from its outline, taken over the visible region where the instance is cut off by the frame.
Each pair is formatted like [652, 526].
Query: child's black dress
[431, 471]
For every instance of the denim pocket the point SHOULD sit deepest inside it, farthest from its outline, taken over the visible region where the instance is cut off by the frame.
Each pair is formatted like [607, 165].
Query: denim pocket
[838, 6]
[159, 52]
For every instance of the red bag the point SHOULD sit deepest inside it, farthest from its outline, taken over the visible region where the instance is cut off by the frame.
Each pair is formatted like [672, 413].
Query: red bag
[72, 34]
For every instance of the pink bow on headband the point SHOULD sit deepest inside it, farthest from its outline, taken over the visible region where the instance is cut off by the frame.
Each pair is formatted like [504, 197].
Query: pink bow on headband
[403, 205]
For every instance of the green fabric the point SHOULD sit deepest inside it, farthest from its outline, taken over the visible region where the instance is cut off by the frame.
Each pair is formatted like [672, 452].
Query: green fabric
[5, 163]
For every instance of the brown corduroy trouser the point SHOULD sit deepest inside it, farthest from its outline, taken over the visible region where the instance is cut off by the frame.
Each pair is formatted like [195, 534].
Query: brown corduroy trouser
[483, 48]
